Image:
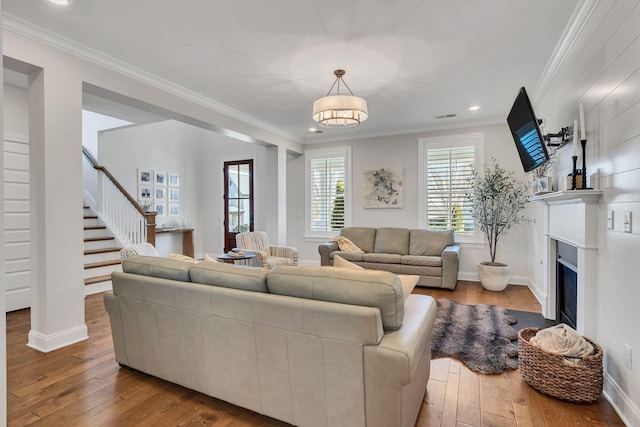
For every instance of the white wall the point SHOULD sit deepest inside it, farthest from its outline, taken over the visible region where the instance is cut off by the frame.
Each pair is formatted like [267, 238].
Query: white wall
[402, 151]
[17, 278]
[602, 71]
[197, 155]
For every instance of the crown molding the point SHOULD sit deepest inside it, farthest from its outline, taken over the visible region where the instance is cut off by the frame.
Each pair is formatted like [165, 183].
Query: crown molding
[73, 47]
[577, 22]
[410, 131]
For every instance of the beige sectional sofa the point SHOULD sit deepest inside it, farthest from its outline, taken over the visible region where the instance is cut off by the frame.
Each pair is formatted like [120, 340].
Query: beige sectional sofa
[433, 255]
[312, 346]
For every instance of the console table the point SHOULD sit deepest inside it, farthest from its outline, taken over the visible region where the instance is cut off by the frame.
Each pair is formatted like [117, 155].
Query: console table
[187, 238]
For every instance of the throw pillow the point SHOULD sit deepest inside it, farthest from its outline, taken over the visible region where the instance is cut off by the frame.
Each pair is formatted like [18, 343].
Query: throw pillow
[338, 261]
[210, 258]
[181, 257]
[409, 281]
[345, 244]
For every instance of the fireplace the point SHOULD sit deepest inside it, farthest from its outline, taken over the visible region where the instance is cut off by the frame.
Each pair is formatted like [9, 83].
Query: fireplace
[567, 284]
[566, 225]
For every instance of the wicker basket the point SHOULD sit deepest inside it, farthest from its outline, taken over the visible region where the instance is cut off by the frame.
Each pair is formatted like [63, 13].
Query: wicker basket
[547, 372]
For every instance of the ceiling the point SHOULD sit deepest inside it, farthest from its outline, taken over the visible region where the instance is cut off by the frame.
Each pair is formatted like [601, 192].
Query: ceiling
[412, 60]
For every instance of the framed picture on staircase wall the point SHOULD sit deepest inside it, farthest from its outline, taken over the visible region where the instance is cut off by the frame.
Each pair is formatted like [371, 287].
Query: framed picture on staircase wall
[145, 177]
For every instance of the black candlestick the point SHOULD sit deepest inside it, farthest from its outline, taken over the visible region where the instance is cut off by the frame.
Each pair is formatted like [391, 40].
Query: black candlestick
[583, 142]
[573, 174]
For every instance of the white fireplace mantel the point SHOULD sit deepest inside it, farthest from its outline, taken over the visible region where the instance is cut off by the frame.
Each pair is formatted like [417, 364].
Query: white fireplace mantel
[571, 217]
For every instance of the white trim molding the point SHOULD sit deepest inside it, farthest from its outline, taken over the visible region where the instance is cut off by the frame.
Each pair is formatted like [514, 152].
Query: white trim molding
[47, 343]
[577, 22]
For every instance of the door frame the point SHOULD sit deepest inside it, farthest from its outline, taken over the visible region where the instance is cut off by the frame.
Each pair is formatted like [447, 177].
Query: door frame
[236, 159]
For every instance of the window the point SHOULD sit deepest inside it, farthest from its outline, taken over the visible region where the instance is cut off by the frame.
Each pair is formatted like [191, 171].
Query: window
[447, 164]
[327, 188]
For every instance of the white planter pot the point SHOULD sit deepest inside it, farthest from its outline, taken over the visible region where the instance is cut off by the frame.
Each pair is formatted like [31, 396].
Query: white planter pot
[493, 277]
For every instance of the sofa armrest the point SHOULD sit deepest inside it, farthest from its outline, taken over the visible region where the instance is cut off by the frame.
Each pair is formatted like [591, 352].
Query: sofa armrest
[450, 264]
[392, 364]
[324, 250]
[284, 252]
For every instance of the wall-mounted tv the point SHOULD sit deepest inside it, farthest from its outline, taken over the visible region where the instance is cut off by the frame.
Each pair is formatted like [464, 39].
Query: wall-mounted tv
[526, 133]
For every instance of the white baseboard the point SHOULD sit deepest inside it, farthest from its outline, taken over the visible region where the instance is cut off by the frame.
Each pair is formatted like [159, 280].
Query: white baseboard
[47, 343]
[626, 409]
[96, 288]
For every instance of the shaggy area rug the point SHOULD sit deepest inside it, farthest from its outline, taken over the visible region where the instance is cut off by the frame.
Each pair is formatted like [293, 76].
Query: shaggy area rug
[478, 335]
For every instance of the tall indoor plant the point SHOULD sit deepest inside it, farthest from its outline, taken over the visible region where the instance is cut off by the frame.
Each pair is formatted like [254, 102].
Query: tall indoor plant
[497, 201]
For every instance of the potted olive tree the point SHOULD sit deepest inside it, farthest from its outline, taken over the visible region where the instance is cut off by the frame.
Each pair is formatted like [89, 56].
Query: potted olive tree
[497, 201]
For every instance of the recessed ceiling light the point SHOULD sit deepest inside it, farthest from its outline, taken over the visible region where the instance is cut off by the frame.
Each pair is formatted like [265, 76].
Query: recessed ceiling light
[474, 108]
[60, 2]
[314, 130]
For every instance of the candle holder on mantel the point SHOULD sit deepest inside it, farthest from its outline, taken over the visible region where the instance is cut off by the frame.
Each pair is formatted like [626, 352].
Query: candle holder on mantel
[574, 172]
[583, 142]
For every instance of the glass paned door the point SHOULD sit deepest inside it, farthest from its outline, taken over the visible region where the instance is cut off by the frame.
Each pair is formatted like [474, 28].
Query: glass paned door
[238, 196]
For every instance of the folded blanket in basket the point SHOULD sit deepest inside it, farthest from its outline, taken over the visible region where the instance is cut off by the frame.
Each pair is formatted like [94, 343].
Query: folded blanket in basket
[563, 340]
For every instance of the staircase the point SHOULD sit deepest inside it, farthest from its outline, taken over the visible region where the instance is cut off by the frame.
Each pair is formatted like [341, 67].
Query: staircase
[101, 254]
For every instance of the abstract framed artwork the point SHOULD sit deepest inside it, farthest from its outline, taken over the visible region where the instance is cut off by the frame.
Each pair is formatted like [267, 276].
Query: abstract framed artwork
[382, 188]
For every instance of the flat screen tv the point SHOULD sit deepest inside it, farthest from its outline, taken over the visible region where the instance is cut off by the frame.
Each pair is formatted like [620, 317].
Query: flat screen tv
[526, 133]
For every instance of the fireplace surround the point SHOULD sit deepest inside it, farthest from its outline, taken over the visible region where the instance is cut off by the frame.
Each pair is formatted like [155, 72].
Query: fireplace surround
[568, 218]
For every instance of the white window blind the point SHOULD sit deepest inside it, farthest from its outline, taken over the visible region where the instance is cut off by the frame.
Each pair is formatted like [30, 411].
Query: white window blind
[448, 173]
[327, 184]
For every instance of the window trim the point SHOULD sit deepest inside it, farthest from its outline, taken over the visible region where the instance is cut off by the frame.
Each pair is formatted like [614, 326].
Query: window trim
[449, 141]
[345, 152]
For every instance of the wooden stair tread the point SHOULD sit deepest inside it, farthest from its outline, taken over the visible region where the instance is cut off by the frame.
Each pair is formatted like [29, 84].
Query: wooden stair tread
[102, 264]
[98, 239]
[101, 251]
[97, 279]
[95, 227]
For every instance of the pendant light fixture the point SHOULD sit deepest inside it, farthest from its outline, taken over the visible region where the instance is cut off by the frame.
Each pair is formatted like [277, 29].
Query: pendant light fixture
[340, 111]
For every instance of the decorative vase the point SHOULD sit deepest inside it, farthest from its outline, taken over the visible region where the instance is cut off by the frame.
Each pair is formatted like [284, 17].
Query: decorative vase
[493, 277]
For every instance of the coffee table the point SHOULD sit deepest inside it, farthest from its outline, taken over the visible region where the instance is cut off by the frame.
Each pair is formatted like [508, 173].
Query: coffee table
[230, 258]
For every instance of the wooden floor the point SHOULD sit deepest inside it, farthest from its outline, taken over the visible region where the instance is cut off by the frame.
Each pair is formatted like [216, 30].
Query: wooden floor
[82, 385]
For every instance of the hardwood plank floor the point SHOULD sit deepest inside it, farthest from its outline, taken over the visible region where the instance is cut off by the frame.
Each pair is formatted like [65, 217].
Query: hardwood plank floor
[82, 385]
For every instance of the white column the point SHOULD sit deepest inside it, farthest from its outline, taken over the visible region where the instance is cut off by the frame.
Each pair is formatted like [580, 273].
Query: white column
[3, 319]
[55, 129]
[282, 195]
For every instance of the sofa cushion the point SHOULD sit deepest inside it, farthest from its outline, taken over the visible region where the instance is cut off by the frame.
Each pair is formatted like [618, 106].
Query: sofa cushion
[409, 281]
[429, 242]
[154, 266]
[369, 288]
[382, 257]
[362, 237]
[230, 276]
[349, 256]
[338, 261]
[391, 240]
[429, 261]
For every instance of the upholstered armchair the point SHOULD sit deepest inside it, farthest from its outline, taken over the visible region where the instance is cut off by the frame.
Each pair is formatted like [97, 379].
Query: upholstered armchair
[146, 249]
[267, 256]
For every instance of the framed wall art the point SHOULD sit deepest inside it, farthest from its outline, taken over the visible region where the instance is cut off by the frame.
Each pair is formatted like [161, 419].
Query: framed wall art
[145, 176]
[174, 180]
[382, 188]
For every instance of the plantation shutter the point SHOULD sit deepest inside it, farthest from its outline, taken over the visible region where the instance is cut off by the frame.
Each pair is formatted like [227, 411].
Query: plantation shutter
[327, 178]
[448, 172]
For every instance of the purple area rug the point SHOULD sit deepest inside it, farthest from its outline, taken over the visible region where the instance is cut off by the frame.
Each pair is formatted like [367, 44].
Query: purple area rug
[478, 335]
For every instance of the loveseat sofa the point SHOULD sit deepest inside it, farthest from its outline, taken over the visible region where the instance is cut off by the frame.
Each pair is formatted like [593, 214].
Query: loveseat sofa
[312, 346]
[433, 255]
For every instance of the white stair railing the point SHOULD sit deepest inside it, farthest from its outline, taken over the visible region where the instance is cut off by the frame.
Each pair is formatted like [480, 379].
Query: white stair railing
[119, 211]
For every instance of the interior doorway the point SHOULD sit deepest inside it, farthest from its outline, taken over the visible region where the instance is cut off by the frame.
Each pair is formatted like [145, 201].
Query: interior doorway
[238, 197]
